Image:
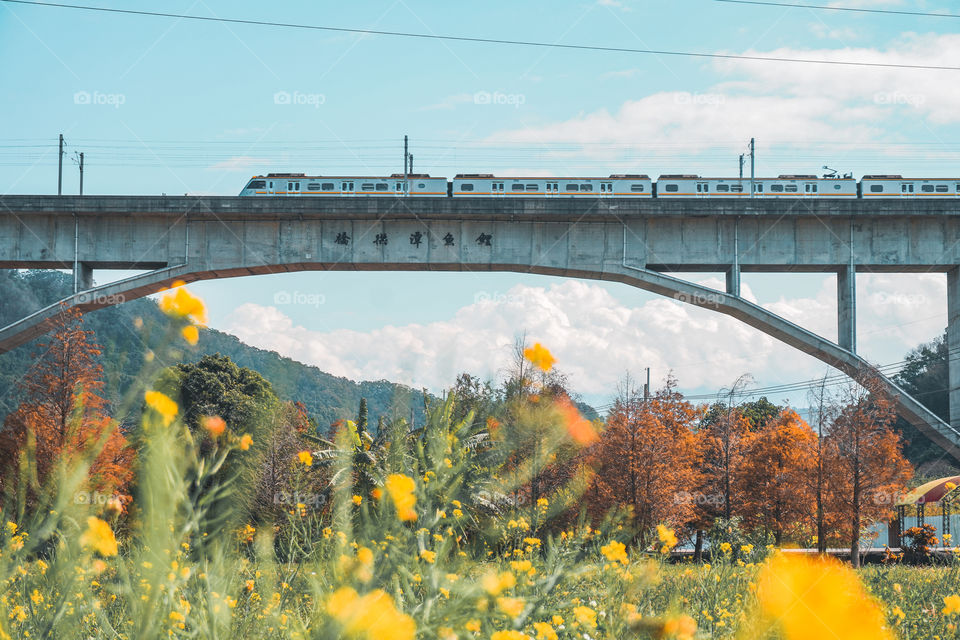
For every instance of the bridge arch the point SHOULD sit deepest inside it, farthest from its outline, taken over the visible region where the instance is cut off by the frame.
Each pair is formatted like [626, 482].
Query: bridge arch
[653, 281]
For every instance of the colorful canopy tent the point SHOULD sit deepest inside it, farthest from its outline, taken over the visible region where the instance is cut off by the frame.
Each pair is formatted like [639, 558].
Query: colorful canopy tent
[940, 492]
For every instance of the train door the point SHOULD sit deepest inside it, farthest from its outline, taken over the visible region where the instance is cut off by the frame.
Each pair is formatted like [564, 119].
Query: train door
[496, 188]
[606, 189]
[906, 189]
[703, 189]
[553, 188]
[293, 188]
[810, 189]
[346, 188]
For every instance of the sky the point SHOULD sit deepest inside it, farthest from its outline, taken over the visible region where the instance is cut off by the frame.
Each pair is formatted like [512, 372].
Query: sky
[173, 105]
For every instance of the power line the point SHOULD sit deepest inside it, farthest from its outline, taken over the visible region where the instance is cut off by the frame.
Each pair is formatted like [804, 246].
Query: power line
[523, 43]
[922, 14]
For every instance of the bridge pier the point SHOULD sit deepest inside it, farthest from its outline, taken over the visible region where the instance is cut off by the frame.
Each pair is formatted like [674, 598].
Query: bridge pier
[82, 277]
[733, 280]
[953, 343]
[847, 308]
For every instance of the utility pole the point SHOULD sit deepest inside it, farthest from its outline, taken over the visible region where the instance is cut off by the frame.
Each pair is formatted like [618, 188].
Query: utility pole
[60, 169]
[80, 163]
[741, 167]
[411, 163]
[646, 387]
[406, 160]
[752, 163]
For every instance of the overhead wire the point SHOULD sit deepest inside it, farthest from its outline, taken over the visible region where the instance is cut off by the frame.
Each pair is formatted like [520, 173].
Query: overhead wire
[484, 40]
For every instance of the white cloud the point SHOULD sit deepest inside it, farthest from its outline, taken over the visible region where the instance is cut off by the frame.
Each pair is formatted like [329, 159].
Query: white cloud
[596, 337]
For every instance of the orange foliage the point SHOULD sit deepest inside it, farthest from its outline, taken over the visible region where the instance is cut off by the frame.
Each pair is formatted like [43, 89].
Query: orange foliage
[646, 460]
[62, 416]
[780, 457]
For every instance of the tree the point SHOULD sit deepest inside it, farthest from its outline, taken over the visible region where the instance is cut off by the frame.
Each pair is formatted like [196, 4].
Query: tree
[646, 458]
[290, 433]
[867, 467]
[63, 418]
[723, 433]
[779, 459]
[925, 376]
[362, 415]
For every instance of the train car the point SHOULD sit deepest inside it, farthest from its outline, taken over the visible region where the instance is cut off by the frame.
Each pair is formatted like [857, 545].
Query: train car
[299, 184]
[488, 185]
[784, 186]
[896, 186]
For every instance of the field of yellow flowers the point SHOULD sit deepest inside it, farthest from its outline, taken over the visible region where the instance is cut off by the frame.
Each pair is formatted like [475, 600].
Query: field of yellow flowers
[417, 555]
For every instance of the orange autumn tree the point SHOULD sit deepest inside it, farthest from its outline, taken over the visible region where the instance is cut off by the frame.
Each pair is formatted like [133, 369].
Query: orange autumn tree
[62, 418]
[647, 457]
[866, 469]
[779, 458]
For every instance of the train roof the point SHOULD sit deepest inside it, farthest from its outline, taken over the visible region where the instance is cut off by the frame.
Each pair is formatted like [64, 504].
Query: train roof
[489, 176]
[316, 177]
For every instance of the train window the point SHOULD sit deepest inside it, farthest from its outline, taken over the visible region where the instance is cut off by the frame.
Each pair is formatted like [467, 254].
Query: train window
[958, 188]
[738, 188]
[382, 186]
[758, 187]
[603, 187]
[262, 184]
[366, 186]
[926, 188]
[346, 186]
[573, 187]
[672, 188]
[498, 186]
[776, 188]
[723, 187]
[271, 184]
[638, 188]
[466, 186]
[516, 187]
[814, 188]
[586, 187]
[791, 188]
[313, 186]
[399, 187]
[327, 186]
[421, 185]
[533, 187]
[876, 188]
[941, 188]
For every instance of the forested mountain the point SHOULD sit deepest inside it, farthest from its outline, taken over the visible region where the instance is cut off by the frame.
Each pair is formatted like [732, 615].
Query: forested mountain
[125, 346]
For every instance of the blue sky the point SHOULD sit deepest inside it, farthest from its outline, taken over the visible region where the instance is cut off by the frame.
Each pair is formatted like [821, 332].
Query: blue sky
[164, 105]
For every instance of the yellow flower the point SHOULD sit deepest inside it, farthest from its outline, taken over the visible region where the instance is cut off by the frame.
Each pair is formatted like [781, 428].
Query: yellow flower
[472, 625]
[357, 500]
[36, 597]
[615, 552]
[725, 547]
[585, 616]
[401, 489]
[190, 334]
[952, 603]
[11, 527]
[818, 598]
[544, 631]
[183, 304]
[428, 555]
[163, 405]
[306, 458]
[682, 627]
[950, 486]
[245, 441]
[667, 537]
[214, 425]
[495, 584]
[557, 620]
[372, 616]
[509, 635]
[539, 356]
[513, 607]
[100, 536]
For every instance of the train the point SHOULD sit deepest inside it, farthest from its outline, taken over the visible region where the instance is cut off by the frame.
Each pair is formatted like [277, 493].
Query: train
[486, 185]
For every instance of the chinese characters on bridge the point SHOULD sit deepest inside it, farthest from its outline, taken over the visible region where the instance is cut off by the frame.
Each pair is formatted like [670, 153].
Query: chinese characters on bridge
[416, 239]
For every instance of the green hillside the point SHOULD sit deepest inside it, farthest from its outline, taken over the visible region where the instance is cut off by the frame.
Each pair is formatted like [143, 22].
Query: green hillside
[327, 397]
